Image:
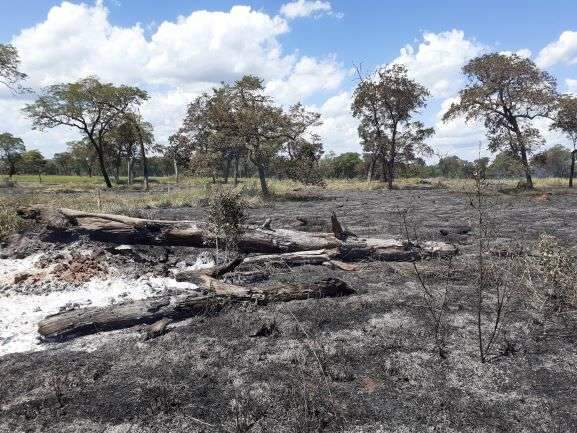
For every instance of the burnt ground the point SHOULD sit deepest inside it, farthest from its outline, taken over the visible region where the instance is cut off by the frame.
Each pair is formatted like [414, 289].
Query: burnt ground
[365, 363]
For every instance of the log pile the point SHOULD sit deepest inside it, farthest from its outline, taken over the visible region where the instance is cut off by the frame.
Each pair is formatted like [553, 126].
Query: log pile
[258, 245]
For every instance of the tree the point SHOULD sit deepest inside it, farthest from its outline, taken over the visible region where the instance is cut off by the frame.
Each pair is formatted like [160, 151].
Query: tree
[385, 105]
[455, 167]
[88, 105]
[505, 164]
[239, 120]
[507, 92]
[11, 150]
[33, 162]
[10, 76]
[565, 120]
[553, 162]
[344, 166]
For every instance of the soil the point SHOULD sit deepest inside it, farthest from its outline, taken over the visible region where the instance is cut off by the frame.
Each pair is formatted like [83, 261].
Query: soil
[364, 363]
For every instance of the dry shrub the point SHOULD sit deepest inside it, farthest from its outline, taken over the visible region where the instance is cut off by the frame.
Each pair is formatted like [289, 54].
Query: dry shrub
[226, 216]
[551, 276]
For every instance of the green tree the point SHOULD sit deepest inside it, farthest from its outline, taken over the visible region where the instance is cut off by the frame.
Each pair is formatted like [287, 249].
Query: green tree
[33, 162]
[385, 105]
[92, 107]
[454, 167]
[506, 164]
[507, 92]
[553, 162]
[10, 76]
[11, 150]
[565, 120]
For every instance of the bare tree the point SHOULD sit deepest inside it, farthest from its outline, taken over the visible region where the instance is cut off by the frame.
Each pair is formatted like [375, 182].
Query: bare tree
[507, 92]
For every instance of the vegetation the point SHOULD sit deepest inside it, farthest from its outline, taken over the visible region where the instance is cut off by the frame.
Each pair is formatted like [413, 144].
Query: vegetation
[385, 105]
[507, 93]
[10, 76]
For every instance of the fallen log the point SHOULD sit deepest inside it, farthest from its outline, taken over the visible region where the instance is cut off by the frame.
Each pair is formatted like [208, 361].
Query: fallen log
[90, 320]
[129, 230]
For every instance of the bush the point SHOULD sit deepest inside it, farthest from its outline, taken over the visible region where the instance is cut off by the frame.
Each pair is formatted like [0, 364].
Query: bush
[226, 215]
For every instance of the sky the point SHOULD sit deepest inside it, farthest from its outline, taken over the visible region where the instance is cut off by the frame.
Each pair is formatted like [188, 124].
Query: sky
[305, 50]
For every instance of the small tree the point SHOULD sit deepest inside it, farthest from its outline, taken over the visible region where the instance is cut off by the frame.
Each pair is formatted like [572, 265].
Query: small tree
[565, 120]
[385, 106]
[507, 92]
[11, 150]
[88, 105]
[33, 162]
[10, 76]
[226, 216]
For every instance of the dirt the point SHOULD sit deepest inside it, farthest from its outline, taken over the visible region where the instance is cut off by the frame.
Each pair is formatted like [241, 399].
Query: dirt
[364, 363]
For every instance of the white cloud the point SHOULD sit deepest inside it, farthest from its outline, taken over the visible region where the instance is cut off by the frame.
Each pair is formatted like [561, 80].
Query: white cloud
[563, 50]
[571, 86]
[307, 77]
[437, 61]
[339, 128]
[523, 52]
[175, 63]
[305, 8]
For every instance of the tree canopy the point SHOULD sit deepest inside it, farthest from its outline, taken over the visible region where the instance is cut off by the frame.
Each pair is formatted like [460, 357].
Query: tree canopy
[239, 120]
[11, 150]
[10, 75]
[92, 107]
[506, 92]
[385, 105]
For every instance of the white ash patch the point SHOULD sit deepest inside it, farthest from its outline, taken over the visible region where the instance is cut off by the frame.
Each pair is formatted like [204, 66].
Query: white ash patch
[20, 313]
[9, 268]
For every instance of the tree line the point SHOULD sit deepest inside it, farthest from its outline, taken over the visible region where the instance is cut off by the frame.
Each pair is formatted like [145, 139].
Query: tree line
[236, 129]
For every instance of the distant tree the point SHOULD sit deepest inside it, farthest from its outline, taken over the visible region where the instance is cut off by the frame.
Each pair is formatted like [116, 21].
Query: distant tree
[385, 105]
[88, 105]
[83, 156]
[10, 76]
[455, 167]
[565, 120]
[344, 166]
[553, 162]
[480, 166]
[505, 165]
[33, 162]
[507, 92]
[11, 150]
[237, 120]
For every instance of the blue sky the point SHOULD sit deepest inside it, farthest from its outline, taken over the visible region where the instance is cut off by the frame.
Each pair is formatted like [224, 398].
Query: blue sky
[305, 52]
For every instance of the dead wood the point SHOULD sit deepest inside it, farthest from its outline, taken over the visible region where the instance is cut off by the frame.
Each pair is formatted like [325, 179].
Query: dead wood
[91, 320]
[129, 230]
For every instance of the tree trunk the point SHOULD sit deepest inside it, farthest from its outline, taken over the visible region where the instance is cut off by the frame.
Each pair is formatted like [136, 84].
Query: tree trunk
[572, 172]
[236, 171]
[175, 170]
[127, 230]
[129, 169]
[524, 159]
[371, 169]
[144, 166]
[227, 170]
[262, 178]
[100, 154]
[90, 320]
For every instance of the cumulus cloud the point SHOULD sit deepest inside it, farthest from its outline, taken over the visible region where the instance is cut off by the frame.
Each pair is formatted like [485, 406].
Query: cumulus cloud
[175, 63]
[305, 8]
[437, 61]
[571, 86]
[563, 50]
[309, 75]
[339, 128]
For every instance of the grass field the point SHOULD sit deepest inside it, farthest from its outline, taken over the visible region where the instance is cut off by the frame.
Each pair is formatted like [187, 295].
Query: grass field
[90, 194]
